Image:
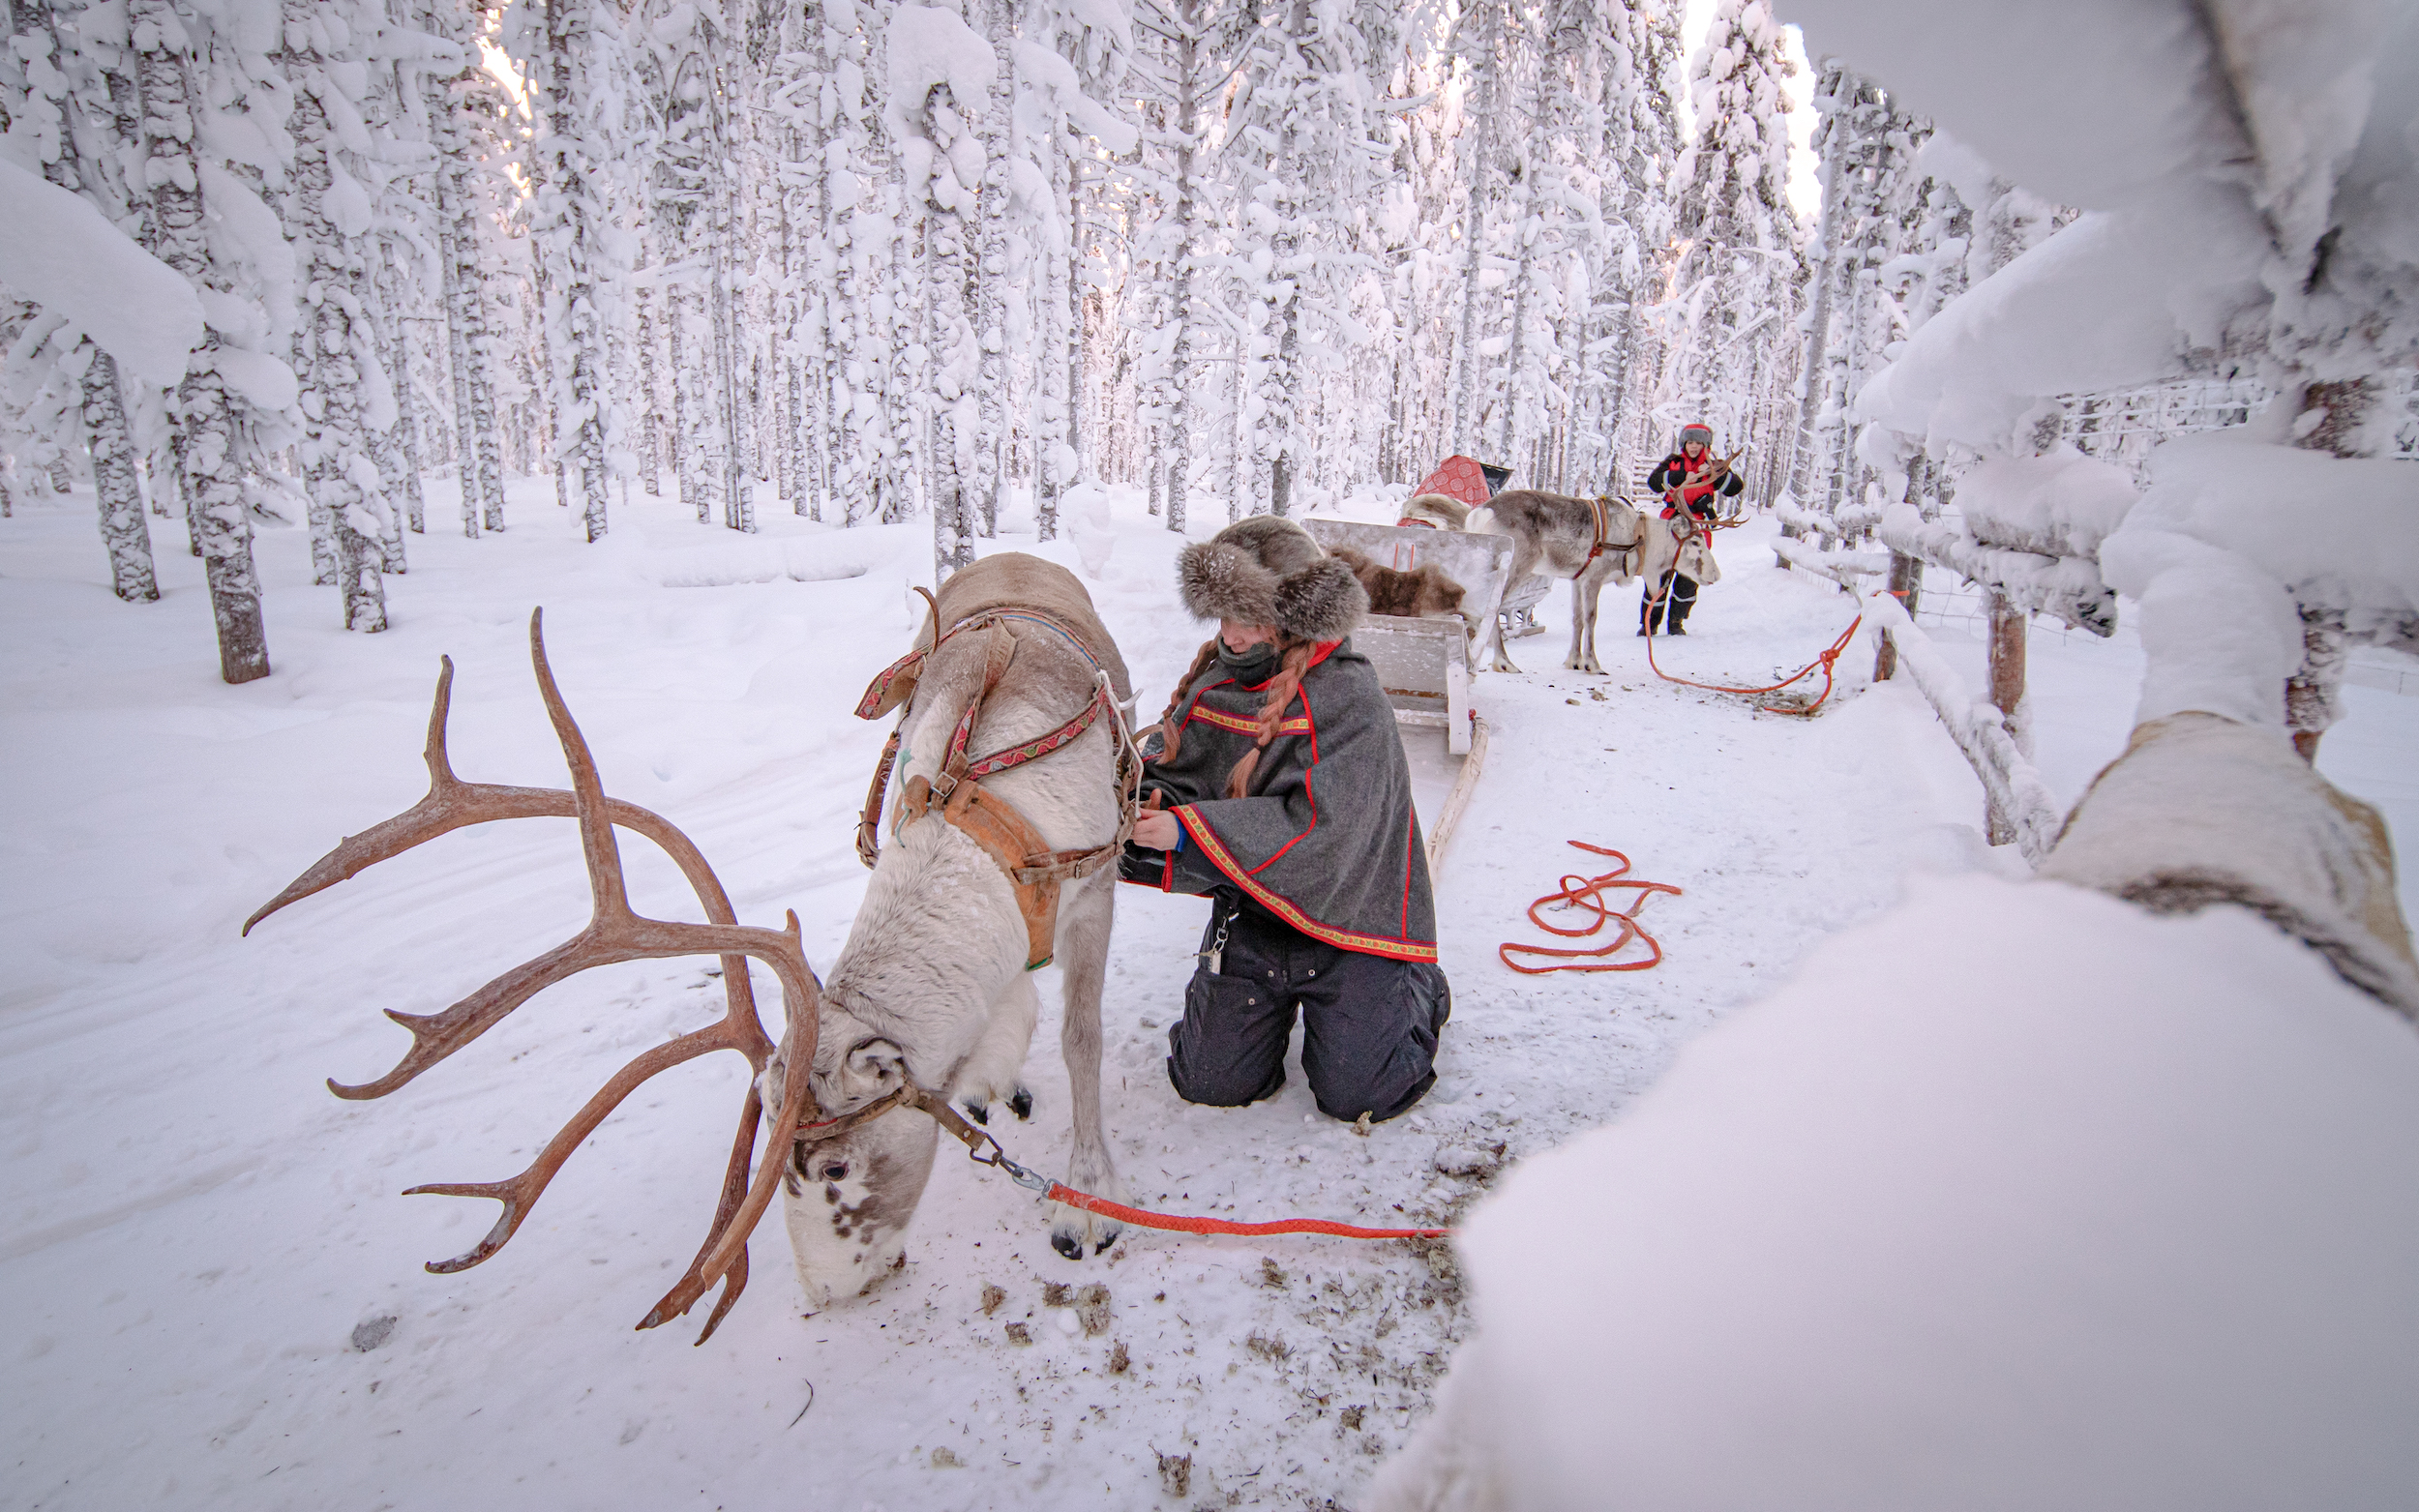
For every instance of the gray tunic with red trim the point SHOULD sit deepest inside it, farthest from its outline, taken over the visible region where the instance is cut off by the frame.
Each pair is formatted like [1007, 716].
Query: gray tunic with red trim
[1325, 839]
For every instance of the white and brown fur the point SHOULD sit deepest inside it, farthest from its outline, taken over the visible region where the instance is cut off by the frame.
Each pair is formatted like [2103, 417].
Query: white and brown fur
[1422, 593]
[1442, 510]
[1664, 551]
[1554, 533]
[932, 984]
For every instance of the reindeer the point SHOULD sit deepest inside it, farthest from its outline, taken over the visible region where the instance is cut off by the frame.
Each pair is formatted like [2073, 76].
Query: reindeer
[929, 1000]
[1681, 543]
[1591, 542]
[931, 996]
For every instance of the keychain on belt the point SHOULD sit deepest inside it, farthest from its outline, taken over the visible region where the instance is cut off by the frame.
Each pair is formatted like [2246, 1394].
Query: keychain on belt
[1215, 955]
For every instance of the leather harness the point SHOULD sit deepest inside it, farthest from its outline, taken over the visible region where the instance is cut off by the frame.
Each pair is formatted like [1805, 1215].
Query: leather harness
[1034, 870]
[1601, 546]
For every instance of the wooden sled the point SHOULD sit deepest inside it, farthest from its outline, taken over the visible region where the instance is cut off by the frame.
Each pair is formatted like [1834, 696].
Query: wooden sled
[1427, 664]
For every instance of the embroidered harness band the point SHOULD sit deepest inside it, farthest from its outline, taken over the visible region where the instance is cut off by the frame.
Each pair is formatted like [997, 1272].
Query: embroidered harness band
[1034, 870]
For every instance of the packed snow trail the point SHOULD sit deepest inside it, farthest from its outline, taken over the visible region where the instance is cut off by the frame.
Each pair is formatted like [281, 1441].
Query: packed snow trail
[218, 1293]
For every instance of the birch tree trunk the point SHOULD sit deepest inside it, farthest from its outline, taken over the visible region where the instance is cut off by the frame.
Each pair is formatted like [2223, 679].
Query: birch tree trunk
[395, 354]
[342, 480]
[1474, 238]
[570, 213]
[123, 529]
[1078, 356]
[1811, 374]
[991, 318]
[955, 418]
[210, 454]
[651, 429]
[457, 127]
[1516, 357]
[1187, 213]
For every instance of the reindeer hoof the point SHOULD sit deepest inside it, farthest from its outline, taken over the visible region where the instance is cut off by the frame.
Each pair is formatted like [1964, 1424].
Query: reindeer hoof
[980, 1113]
[1074, 1229]
[1021, 1103]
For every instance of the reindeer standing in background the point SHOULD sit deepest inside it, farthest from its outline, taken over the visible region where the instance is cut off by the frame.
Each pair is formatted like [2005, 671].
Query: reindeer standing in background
[1591, 542]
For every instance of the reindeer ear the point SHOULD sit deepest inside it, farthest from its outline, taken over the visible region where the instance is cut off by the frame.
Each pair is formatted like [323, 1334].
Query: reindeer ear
[873, 1067]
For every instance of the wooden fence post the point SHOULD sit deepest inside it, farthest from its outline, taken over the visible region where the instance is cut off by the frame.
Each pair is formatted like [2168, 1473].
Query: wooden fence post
[1906, 585]
[2007, 692]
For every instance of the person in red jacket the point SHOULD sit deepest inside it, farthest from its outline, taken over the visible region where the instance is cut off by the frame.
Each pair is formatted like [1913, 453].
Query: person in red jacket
[1684, 481]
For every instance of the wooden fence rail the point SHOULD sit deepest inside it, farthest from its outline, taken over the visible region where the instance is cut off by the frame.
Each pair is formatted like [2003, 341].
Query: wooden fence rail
[2018, 800]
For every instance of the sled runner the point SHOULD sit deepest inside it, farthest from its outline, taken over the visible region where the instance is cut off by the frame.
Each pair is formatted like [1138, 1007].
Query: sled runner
[1427, 664]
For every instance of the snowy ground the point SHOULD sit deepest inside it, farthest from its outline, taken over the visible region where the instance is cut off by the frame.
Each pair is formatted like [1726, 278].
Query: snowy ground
[199, 1238]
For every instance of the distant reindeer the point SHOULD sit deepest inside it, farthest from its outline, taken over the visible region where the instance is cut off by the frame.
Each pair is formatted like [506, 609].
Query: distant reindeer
[1591, 542]
[929, 1000]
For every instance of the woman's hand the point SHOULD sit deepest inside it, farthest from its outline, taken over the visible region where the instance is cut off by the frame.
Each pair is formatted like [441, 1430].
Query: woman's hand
[1155, 829]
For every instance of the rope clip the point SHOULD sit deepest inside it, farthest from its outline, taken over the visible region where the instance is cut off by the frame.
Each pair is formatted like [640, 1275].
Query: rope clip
[998, 1159]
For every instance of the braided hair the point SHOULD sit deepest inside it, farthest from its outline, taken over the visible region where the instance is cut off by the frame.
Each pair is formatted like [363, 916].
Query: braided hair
[1293, 665]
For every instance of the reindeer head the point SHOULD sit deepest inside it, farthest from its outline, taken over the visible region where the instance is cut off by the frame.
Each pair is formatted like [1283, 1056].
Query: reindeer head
[847, 1201]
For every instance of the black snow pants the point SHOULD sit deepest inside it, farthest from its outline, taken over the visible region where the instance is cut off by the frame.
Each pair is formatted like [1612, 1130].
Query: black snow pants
[1369, 1024]
[1682, 589]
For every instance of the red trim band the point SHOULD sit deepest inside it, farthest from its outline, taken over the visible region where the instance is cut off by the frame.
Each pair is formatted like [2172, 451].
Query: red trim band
[1284, 908]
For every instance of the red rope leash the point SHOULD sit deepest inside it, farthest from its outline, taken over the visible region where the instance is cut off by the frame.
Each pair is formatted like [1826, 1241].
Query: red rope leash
[1823, 662]
[1145, 1219]
[1587, 892]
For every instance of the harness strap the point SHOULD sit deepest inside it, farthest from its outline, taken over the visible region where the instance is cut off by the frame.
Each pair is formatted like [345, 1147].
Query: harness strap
[996, 659]
[1033, 869]
[869, 821]
[1034, 750]
[1601, 546]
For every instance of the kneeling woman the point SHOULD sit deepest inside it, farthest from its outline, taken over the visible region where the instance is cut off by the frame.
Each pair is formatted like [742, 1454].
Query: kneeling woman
[1288, 801]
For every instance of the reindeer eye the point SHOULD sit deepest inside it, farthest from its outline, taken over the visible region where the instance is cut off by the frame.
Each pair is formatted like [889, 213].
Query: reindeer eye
[836, 1170]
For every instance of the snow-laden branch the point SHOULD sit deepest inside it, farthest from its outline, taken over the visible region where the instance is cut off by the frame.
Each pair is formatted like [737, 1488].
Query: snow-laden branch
[62, 253]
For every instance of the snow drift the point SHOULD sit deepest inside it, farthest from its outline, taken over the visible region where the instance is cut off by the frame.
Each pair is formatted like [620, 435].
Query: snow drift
[2018, 1198]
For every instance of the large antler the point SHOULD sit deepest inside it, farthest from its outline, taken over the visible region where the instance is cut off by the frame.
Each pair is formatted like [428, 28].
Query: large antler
[615, 933]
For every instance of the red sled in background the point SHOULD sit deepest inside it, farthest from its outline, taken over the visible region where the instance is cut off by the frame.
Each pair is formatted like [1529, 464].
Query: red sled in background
[1467, 479]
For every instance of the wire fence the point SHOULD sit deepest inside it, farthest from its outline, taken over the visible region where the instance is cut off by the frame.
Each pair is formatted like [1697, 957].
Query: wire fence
[2121, 426]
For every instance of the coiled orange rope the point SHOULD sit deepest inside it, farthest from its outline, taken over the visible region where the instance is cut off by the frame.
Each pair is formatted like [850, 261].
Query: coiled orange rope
[1587, 892]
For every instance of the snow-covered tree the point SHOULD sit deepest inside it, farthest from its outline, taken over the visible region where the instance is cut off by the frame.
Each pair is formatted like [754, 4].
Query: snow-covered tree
[231, 391]
[1266, 250]
[570, 220]
[1734, 289]
[328, 216]
[72, 108]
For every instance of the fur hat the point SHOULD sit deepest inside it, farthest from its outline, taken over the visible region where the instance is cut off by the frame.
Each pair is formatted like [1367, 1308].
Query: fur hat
[1268, 570]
